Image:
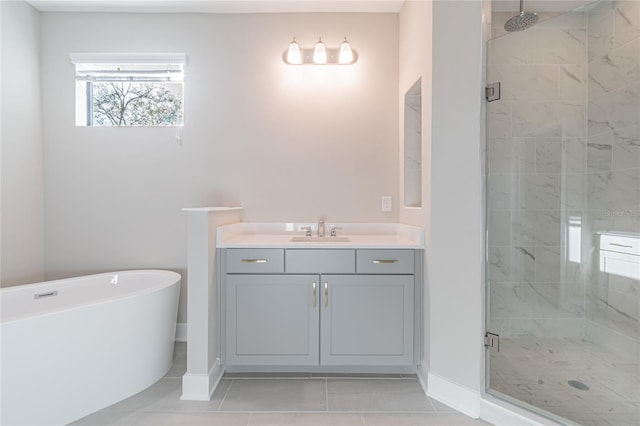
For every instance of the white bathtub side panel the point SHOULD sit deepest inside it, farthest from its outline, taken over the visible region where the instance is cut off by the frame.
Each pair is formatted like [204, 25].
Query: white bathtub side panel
[61, 367]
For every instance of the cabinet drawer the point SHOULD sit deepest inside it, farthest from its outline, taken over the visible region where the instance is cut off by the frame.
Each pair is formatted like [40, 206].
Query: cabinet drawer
[385, 262]
[629, 244]
[328, 261]
[255, 260]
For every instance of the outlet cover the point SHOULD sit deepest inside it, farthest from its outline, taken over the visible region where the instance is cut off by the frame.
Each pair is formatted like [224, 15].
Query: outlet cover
[387, 203]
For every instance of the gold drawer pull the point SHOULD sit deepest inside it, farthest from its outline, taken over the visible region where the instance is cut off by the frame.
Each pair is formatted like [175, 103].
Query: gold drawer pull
[378, 261]
[254, 260]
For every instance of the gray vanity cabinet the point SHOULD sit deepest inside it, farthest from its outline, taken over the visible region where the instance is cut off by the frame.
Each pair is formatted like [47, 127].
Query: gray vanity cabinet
[319, 307]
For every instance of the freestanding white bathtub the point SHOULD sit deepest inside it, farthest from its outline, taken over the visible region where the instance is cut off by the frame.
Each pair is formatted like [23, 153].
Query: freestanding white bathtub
[72, 347]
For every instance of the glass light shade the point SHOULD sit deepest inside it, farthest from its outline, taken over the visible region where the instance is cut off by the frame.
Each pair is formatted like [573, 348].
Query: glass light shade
[346, 54]
[320, 53]
[293, 55]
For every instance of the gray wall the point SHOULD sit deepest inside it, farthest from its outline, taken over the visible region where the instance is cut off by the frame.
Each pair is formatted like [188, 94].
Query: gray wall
[288, 143]
[22, 258]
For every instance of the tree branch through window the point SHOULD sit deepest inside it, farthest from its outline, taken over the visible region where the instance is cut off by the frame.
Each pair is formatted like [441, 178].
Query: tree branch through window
[134, 104]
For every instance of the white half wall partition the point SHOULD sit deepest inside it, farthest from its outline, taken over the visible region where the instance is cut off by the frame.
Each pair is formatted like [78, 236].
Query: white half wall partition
[203, 341]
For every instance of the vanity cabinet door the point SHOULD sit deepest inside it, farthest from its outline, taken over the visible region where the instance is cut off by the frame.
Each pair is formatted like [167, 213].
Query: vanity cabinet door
[272, 319]
[367, 320]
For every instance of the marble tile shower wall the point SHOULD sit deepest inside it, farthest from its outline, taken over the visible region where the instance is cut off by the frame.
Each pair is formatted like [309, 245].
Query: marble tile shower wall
[613, 160]
[563, 164]
[537, 147]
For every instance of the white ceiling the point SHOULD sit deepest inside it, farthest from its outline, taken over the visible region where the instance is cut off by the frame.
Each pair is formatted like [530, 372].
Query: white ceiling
[217, 6]
[273, 6]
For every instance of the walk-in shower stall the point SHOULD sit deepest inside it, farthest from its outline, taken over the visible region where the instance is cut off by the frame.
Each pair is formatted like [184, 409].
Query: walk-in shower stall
[563, 212]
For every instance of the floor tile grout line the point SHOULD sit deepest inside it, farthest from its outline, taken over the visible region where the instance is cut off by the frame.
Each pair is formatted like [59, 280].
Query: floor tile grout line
[311, 378]
[225, 396]
[168, 411]
[312, 412]
[431, 403]
[326, 393]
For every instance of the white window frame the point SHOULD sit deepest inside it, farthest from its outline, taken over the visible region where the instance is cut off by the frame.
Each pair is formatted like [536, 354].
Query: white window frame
[136, 66]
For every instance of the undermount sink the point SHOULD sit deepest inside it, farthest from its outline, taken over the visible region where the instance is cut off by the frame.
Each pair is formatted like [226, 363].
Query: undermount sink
[321, 239]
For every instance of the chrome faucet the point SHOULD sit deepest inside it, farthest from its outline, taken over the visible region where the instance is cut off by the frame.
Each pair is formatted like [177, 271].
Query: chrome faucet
[321, 228]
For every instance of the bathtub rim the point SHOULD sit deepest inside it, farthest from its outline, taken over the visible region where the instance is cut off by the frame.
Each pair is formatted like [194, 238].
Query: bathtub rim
[173, 278]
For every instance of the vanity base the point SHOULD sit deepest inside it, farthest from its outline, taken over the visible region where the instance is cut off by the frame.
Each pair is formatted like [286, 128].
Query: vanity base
[321, 369]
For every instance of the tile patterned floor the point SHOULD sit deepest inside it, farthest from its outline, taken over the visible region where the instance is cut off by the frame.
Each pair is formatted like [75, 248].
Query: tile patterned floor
[538, 370]
[306, 401]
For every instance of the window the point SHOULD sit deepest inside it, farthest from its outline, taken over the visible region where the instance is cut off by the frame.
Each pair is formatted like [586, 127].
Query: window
[129, 89]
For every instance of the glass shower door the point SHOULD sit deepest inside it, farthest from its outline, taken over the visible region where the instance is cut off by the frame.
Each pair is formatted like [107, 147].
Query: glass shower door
[563, 214]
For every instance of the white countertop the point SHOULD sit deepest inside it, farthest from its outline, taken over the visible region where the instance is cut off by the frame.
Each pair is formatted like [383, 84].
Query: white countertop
[360, 235]
[211, 209]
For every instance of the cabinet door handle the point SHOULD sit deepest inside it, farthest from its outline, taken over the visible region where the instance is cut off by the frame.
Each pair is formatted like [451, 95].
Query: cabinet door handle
[254, 260]
[377, 261]
[326, 294]
[315, 295]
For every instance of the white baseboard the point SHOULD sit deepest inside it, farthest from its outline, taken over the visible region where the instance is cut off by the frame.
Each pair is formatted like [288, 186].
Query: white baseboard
[456, 396]
[200, 387]
[181, 332]
[501, 413]
[476, 405]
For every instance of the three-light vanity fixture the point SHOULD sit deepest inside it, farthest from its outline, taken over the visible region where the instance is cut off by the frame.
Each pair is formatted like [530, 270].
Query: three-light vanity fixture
[320, 55]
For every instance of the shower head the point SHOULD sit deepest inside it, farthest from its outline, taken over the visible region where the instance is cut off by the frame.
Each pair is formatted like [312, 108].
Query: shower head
[521, 21]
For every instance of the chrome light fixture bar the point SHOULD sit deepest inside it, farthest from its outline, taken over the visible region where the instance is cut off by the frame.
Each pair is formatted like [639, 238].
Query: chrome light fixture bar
[320, 54]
